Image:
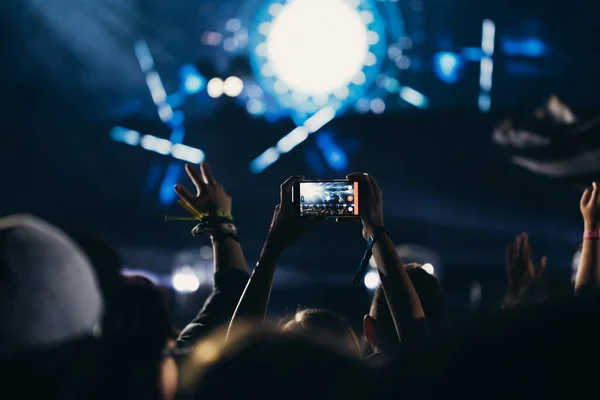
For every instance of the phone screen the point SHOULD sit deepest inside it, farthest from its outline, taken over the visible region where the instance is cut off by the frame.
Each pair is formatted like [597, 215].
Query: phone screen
[328, 198]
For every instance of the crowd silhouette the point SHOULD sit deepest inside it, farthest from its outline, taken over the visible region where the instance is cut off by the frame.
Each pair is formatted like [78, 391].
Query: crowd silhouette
[72, 327]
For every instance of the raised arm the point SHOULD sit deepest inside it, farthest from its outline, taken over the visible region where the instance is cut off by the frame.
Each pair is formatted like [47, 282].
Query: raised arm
[230, 272]
[403, 301]
[588, 274]
[286, 228]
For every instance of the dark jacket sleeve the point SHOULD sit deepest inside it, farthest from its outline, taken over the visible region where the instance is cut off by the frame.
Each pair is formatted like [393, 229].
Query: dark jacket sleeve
[228, 286]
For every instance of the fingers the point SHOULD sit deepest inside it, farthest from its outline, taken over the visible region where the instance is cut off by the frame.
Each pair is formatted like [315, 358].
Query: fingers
[586, 197]
[184, 194]
[376, 189]
[542, 267]
[594, 198]
[365, 182]
[349, 220]
[286, 188]
[355, 176]
[207, 174]
[195, 177]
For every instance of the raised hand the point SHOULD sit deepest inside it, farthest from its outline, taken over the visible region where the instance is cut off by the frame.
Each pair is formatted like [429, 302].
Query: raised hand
[590, 207]
[287, 226]
[519, 263]
[521, 271]
[370, 202]
[210, 195]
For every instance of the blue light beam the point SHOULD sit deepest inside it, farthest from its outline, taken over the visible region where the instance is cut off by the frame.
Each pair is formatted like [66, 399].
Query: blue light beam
[334, 155]
[413, 97]
[157, 145]
[447, 66]
[292, 139]
[486, 71]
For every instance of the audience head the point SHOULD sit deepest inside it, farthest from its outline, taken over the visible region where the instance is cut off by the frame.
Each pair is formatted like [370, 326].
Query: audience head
[50, 307]
[271, 364]
[105, 261]
[325, 326]
[139, 326]
[379, 329]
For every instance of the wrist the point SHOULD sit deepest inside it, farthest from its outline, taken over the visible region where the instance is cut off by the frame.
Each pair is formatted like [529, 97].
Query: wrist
[370, 228]
[590, 226]
[271, 249]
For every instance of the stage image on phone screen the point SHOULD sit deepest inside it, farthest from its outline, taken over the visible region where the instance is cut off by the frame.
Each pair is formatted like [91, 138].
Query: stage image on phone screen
[330, 199]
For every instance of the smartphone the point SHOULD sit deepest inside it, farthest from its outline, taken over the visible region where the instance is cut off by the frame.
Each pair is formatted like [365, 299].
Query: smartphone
[332, 199]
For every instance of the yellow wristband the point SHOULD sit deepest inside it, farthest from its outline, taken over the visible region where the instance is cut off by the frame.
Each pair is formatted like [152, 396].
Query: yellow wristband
[224, 214]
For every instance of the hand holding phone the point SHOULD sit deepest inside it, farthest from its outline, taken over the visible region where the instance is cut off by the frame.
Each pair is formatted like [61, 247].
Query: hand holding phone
[329, 199]
[286, 225]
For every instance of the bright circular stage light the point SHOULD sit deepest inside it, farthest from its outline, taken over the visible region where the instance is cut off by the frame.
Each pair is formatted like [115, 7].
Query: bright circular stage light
[371, 280]
[214, 87]
[316, 47]
[310, 54]
[233, 86]
[185, 280]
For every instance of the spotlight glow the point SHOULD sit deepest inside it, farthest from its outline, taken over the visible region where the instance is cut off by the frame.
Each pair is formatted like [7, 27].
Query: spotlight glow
[233, 86]
[372, 280]
[215, 87]
[428, 268]
[307, 54]
[185, 280]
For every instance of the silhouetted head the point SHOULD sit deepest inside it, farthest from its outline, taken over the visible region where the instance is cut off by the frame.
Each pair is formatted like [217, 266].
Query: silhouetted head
[139, 329]
[105, 261]
[272, 365]
[325, 326]
[50, 312]
[379, 329]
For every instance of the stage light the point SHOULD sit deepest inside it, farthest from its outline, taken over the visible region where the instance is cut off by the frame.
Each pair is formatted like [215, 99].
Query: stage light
[446, 66]
[192, 81]
[261, 162]
[231, 44]
[215, 88]
[321, 59]
[333, 154]
[185, 280]
[371, 280]
[206, 252]
[488, 37]
[255, 107]
[292, 139]
[485, 78]
[413, 97]
[233, 86]
[158, 145]
[362, 106]
[187, 153]
[377, 106]
[531, 47]
[484, 102]
[165, 112]
[486, 69]
[233, 25]
[305, 64]
[428, 268]
[126, 136]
